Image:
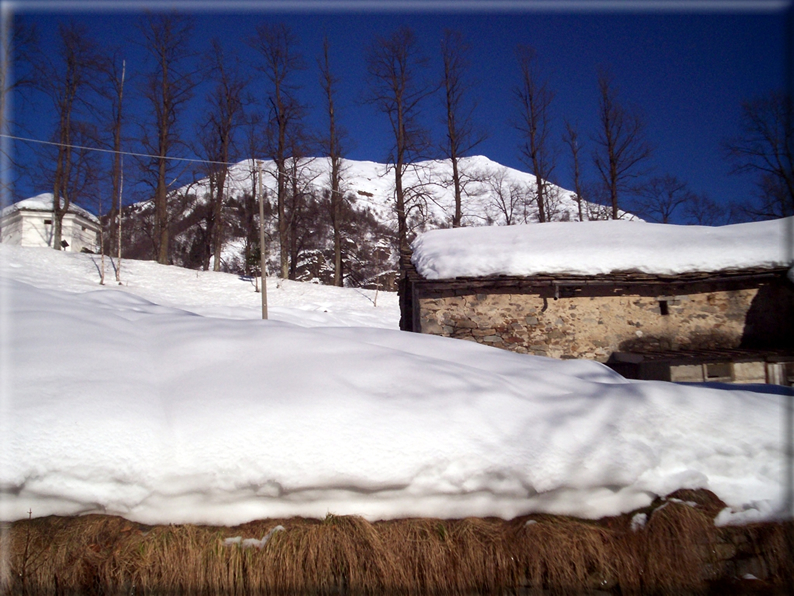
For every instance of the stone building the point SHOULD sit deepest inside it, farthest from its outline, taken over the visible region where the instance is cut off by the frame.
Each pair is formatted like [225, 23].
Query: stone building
[724, 323]
[30, 223]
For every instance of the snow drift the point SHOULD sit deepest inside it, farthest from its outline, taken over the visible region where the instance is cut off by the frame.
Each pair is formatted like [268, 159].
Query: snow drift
[116, 404]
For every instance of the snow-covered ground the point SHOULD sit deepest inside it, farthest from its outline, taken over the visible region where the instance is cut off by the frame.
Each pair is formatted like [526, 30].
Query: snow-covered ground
[204, 293]
[594, 247]
[167, 400]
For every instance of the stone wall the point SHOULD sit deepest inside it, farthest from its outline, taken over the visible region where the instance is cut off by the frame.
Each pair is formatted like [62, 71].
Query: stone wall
[595, 326]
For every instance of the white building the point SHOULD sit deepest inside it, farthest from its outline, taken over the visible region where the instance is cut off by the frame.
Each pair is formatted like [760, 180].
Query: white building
[30, 223]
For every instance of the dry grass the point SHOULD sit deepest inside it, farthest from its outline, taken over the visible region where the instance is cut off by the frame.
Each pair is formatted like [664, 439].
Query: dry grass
[338, 555]
[677, 549]
[348, 555]
[564, 555]
[424, 551]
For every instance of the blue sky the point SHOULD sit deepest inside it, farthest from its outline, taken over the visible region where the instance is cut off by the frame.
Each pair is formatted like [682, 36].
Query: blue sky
[685, 66]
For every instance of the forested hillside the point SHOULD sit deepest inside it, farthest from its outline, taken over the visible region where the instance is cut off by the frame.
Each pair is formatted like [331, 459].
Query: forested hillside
[496, 195]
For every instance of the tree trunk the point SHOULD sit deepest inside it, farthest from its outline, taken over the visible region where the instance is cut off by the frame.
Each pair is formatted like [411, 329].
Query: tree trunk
[334, 155]
[458, 199]
[161, 213]
[283, 228]
[217, 218]
[115, 212]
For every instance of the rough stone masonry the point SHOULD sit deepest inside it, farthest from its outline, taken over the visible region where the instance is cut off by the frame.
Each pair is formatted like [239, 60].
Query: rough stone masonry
[595, 326]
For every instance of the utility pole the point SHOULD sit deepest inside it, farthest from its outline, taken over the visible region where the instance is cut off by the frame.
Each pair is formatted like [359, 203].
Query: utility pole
[262, 252]
[118, 156]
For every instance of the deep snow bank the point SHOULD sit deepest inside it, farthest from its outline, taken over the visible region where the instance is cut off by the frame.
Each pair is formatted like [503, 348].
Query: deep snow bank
[113, 403]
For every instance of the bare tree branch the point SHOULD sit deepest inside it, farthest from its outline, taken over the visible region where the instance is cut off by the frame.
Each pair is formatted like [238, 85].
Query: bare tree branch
[167, 88]
[393, 64]
[663, 196]
[223, 117]
[276, 45]
[462, 135]
[69, 78]
[571, 139]
[765, 148]
[621, 149]
[333, 149]
[534, 97]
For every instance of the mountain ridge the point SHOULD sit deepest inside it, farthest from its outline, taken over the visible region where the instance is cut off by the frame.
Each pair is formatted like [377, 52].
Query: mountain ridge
[493, 195]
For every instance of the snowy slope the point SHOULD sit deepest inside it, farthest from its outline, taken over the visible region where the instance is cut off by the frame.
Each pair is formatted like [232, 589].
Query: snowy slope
[594, 247]
[372, 185]
[167, 401]
[205, 293]
[492, 195]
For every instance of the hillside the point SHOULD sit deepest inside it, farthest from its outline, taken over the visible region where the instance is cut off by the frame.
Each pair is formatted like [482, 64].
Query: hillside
[494, 195]
[372, 186]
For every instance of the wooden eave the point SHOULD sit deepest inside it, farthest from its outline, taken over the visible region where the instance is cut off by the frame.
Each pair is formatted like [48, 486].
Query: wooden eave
[617, 278]
[678, 357]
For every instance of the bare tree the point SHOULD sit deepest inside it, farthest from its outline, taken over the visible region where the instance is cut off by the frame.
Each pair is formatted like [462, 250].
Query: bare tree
[276, 45]
[552, 201]
[597, 206]
[69, 79]
[571, 139]
[114, 74]
[704, 211]
[507, 201]
[18, 43]
[765, 148]
[662, 196]
[393, 66]
[300, 197]
[248, 208]
[85, 173]
[534, 97]
[168, 87]
[333, 149]
[224, 116]
[462, 136]
[111, 89]
[621, 148]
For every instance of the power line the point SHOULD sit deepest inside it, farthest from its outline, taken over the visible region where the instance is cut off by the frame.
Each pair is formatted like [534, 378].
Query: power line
[99, 149]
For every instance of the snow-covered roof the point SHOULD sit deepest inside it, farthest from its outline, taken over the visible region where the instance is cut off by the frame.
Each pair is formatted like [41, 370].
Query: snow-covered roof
[602, 247]
[43, 202]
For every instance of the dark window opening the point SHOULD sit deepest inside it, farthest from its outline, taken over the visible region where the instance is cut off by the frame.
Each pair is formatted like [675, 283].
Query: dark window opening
[47, 222]
[718, 370]
[664, 308]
